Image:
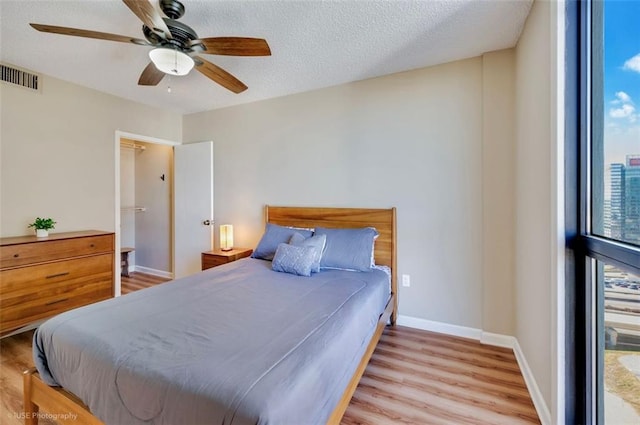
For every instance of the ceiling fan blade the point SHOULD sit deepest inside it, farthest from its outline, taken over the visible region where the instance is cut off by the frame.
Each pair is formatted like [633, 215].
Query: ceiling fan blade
[151, 76]
[235, 46]
[220, 76]
[148, 15]
[88, 34]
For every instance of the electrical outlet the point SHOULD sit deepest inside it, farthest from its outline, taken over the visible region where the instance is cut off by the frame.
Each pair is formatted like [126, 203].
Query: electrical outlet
[406, 280]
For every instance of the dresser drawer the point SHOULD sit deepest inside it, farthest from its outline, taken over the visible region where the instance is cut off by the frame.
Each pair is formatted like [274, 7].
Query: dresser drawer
[29, 253]
[33, 293]
[57, 275]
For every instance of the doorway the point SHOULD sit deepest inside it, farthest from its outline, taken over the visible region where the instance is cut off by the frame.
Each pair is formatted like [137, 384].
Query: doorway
[146, 196]
[144, 205]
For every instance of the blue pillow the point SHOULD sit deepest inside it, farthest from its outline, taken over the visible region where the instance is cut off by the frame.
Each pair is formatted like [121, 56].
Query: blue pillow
[273, 236]
[348, 249]
[293, 259]
[316, 242]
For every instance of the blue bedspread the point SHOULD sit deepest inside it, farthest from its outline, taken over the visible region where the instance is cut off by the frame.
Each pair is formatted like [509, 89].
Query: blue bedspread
[236, 344]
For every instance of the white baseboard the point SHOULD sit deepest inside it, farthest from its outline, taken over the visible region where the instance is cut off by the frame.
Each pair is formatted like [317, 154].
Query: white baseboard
[534, 390]
[498, 340]
[489, 339]
[443, 328]
[154, 272]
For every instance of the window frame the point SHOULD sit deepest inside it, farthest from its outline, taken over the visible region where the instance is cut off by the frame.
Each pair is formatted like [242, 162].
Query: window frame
[584, 320]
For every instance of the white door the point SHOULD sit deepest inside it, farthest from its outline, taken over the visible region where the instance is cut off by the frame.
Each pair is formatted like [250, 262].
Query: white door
[193, 206]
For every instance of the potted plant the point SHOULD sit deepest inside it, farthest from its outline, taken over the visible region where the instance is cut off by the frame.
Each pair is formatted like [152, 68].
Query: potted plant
[42, 226]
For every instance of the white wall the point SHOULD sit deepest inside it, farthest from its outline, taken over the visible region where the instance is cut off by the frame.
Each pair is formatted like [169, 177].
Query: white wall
[57, 153]
[538, 202]
[154, 226]
[411, 140]
[498, 191]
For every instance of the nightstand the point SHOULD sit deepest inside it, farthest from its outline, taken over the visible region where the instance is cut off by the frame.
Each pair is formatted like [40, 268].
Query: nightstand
[218, 257]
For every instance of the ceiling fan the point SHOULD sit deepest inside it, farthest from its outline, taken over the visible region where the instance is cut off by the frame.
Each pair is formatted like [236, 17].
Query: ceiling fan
[176, 45]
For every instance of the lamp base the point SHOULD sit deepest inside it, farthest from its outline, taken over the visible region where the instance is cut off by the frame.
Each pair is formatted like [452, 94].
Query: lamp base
[226, 249]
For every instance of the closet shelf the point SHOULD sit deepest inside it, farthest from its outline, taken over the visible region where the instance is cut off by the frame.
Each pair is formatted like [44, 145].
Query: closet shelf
[133, 146]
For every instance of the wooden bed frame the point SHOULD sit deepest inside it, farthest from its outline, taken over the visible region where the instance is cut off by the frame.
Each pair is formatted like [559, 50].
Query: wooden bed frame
[64, 405]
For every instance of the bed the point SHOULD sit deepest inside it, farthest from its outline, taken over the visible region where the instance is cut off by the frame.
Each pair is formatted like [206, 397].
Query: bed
[281, 354]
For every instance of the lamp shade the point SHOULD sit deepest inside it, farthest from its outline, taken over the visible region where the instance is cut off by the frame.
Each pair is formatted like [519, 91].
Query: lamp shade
[171, 61]
[226, 237]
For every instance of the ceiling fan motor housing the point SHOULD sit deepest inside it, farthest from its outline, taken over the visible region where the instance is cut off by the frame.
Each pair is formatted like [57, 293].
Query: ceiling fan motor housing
[181, 34]
[172, 8]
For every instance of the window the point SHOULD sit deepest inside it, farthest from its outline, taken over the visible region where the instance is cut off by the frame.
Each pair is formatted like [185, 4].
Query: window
[615, 143]
[619, 312]
[602, 187]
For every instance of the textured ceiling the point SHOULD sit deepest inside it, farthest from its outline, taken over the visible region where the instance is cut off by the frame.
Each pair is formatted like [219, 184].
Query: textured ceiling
[314, 43]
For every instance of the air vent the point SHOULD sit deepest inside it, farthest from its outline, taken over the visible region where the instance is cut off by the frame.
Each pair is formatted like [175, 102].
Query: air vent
[12, 75]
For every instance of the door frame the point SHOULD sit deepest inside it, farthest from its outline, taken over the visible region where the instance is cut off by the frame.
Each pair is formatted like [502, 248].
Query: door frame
[141, 138]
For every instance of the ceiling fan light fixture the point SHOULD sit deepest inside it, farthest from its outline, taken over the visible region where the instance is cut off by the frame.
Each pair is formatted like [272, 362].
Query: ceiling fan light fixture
[171, 61]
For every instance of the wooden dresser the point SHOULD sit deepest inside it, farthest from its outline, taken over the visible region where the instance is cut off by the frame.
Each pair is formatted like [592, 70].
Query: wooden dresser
[41, 277]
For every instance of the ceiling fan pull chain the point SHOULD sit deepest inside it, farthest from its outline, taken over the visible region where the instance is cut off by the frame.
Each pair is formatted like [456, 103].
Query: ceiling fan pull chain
[175, 59]
[169, 85]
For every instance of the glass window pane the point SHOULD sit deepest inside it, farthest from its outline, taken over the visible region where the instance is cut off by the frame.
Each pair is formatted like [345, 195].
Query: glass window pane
[616, 121]
[620, 362]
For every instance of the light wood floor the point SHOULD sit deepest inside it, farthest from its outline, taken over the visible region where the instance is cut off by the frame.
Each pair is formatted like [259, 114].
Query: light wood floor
[414, 377]
[137, 281]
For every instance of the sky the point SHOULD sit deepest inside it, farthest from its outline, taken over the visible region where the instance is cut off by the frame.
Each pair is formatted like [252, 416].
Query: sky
[621, 79]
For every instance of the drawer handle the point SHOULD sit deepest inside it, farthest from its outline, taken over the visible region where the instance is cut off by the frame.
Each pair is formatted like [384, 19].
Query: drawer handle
[57, 275]
[16, 255]
[57, 301]
[92, 246]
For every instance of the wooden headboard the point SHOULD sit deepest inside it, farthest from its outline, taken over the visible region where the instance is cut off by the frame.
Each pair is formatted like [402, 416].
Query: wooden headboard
[384, 220]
